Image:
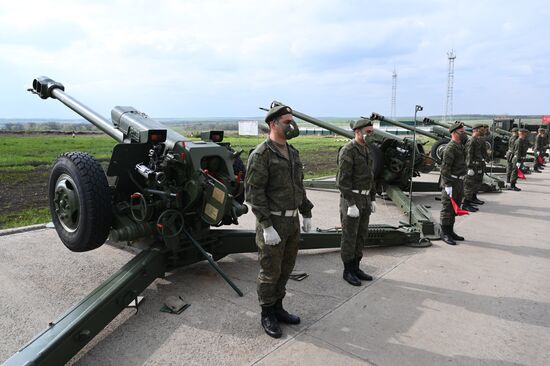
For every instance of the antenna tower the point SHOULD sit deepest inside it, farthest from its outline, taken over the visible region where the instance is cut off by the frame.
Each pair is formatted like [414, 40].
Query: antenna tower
[393, 93]
[450, 80]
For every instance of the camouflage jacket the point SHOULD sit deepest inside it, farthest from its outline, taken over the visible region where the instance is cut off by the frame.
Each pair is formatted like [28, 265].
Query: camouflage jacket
[453, 164]
[354, 172]
[475, 151]
[539, 143]
[520, 149]
[274, 183]
[511, 142]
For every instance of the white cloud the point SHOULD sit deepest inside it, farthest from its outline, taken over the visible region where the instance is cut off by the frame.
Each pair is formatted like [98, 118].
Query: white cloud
[333, 57]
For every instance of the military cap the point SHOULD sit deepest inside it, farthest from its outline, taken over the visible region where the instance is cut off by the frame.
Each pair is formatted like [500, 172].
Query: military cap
[276, 112]
[541, 129]
[478, 125]
[455, 126]
[485, 125]
[360, 123]
[515, 129]
[524, 130]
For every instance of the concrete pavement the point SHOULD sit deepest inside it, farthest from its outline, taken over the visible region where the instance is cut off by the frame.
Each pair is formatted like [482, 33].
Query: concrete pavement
[483, 302]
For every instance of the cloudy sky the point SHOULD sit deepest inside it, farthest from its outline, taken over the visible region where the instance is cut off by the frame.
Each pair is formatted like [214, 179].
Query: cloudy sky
[227, 58]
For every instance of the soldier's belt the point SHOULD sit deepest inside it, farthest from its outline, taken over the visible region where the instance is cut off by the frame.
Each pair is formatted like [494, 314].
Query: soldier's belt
[287, 213]
[361, 191]
[461, 177]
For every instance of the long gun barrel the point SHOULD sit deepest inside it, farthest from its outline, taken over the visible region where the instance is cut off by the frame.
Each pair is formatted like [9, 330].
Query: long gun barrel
[126, 121]
[330, 127]
[379, 117]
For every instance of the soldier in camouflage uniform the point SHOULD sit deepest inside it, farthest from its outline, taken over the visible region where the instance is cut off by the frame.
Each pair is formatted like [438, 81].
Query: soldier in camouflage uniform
[275, 190]
[518, 156]
[510, 154]
[475, 151]
[355, 180]
[453, 169]
[539, 150]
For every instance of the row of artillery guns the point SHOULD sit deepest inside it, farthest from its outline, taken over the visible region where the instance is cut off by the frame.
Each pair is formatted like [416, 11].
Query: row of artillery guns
[497, 143]
[167, 196]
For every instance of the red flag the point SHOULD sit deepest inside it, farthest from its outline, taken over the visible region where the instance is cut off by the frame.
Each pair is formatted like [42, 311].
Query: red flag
[540, 160]
[520, 174]
[458, 210]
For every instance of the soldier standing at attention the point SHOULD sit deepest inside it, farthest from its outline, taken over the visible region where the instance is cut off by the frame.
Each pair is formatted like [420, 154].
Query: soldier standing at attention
[453, 169]
[510, 154]
[355, 180]
[275, 190]
[539, 149]
[475, 149]
[518, 156]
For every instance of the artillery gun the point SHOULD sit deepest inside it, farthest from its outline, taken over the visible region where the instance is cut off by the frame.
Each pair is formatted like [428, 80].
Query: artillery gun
[163, 196]
[498, 143]
[442, 137]
[394, 166]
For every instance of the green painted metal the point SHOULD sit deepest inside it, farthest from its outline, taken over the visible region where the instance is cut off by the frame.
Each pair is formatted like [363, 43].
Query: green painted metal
[63, 338]
[379, 117]
[421, 216]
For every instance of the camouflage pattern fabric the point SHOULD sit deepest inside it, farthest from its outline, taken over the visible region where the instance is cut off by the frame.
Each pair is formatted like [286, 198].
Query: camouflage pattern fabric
[453, 169]
[509, 157]
[274, 183]
[475, 150]
[519, 152]
[354, 173]
[276, 261]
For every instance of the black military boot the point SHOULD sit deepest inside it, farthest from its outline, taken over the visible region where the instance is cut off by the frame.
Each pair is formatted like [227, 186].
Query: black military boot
[349, 274]
[537, 170]
[270, 322]
[446, 235]
[359, 273]
[477, 201]
[514, 188]
[469, 206]
[454, 235]
[284, 316]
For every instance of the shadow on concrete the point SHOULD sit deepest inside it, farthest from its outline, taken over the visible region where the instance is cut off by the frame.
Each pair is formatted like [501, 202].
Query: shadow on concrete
[520, 250]
[375, 335]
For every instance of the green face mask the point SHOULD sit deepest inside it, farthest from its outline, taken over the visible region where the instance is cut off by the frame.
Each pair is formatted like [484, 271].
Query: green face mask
[368, 138]
[290, 130]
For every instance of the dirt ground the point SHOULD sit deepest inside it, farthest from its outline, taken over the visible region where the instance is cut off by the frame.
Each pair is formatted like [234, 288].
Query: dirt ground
[24, 190]
[29, 189]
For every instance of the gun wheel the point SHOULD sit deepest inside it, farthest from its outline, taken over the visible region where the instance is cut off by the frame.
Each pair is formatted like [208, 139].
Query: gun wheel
[437, 150]
[80, 201]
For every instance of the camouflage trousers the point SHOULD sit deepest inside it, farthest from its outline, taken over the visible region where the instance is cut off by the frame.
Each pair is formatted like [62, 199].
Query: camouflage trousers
[514, 171]
[447, 215]
[354, 231]
[472, 184]
[509, 169]
[276, 261]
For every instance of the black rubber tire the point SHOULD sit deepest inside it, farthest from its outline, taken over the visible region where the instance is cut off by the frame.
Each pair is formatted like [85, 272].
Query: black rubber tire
[436, 147]
[81, 175]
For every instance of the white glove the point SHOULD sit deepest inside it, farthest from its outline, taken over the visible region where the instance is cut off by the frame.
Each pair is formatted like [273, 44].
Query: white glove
[353, 211]
[449, 190]
[471, 172]
[518, 165]
[306, 225]
[373, 207]
[271, 237]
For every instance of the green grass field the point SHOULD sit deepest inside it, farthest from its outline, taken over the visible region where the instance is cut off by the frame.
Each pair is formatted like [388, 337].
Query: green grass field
[25, 162]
